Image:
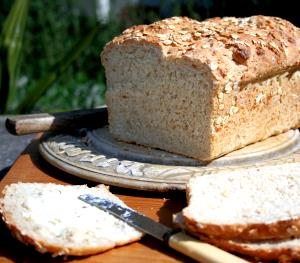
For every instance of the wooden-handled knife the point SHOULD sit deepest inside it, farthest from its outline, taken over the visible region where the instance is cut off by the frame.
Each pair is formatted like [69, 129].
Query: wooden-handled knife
[61, 121]
[176, 239]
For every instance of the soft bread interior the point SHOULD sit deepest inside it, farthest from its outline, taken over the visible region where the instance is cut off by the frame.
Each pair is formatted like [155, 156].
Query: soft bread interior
[53, 219]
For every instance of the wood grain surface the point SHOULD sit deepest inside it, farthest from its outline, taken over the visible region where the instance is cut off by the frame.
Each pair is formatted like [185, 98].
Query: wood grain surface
[30, 167]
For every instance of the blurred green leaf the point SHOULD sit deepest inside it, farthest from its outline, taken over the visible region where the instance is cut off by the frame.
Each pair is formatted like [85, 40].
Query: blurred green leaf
[11, 42]
[55, 72]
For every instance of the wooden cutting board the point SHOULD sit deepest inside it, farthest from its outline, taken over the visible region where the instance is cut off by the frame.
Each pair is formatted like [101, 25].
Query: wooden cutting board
[30, 167]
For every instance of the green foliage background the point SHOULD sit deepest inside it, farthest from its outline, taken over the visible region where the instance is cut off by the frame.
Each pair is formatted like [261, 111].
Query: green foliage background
[54, 26]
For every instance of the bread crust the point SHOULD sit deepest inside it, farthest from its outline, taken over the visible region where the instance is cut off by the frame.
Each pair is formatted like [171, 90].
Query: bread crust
[251, 232]
[235, 49]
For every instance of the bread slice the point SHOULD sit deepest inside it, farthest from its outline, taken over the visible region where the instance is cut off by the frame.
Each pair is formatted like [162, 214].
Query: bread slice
[203, 89]
[279, 250]
[258, 203]
[52, 219]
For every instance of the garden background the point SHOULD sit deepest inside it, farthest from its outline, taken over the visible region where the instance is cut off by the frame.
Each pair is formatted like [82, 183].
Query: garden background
[49, 49]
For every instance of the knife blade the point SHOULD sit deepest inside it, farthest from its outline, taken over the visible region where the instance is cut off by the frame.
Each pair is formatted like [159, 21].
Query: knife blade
[176, 239]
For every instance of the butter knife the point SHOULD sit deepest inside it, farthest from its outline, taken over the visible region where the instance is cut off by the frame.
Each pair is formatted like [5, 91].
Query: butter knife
[176, 239]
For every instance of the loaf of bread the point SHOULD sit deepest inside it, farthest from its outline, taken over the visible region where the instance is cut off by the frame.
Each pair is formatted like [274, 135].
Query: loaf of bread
[203, 89]
[253, 204]
[51, 218]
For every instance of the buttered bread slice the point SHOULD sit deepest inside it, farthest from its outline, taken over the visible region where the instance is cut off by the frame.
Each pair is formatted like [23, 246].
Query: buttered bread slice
[52, 219]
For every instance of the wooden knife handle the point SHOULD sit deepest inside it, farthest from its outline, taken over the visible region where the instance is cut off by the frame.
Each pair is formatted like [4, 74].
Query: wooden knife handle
[61, 121]
[201, 251]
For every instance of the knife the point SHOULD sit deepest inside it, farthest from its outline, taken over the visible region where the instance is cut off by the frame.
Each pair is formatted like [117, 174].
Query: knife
[42, 122]
[176, 239]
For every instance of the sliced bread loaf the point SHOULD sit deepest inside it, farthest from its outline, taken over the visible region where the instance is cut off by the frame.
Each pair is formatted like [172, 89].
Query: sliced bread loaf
[52, 219]
[203, 89]
[255, 204]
